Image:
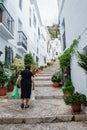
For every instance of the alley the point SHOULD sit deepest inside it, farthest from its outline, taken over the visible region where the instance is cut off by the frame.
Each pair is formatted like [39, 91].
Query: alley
[47, 112]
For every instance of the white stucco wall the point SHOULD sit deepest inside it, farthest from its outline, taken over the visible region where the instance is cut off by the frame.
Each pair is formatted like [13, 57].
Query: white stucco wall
[74, 13]
[31, 32]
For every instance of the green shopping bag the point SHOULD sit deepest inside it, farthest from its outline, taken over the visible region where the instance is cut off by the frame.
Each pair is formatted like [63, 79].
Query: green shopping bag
[15, 93]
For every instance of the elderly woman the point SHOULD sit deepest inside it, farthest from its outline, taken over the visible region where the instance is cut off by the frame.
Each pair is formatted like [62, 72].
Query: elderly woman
[27, 83]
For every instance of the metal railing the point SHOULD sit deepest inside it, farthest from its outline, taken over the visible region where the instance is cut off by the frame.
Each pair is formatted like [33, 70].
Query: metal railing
[22, 40]
[6, 19]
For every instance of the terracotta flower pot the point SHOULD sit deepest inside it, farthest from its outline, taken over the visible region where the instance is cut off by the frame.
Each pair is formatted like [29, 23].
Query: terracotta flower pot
[3, 91]
[56, 84]
[10, 87]
[76, 108]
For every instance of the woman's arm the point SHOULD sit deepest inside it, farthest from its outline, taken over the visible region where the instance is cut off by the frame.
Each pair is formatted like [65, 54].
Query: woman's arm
[18, 80]
[32, 79]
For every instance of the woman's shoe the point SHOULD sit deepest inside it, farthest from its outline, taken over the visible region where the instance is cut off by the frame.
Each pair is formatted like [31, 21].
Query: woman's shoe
[27, 106]
[22, 105]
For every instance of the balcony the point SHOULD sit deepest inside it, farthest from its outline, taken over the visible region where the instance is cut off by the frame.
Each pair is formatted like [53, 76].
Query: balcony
[6, 23]
[22, 42]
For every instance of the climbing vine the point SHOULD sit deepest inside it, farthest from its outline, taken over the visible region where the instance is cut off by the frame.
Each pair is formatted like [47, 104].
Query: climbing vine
[65, 58]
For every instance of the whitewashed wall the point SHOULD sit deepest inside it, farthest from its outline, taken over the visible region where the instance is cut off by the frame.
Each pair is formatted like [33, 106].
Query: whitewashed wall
[74, 13]
[30, 31]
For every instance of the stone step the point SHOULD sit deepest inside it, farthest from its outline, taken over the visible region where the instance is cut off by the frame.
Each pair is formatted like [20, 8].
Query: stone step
[42, 93]
[47, 126]
[40, 111]
[42, 78]
[43, 85]
[43, 82]
[48, 93]
[43, 74]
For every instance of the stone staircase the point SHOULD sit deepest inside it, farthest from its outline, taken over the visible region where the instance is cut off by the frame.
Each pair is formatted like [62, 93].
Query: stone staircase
[47, 112]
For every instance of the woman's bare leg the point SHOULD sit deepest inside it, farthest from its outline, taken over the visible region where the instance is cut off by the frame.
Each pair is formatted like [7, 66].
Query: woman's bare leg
[27, 102]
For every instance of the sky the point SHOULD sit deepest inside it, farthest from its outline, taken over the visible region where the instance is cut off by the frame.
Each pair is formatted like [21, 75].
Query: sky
[48, 11]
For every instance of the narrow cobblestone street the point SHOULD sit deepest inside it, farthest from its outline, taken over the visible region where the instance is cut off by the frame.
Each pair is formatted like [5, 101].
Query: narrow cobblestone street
[47, 112]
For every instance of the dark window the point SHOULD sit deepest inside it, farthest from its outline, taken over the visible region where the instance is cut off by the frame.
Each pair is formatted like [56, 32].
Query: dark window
[38, 32]
[8, 56]
[20, 4]
[30, 17]
[34, 19]
[64, 36]
[64, 41]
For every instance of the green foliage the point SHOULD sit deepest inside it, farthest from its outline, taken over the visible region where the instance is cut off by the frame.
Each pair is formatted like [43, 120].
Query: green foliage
[68, 86]
[65, 58]
[68, 82]
[1, 53]
[17, 66]
[28, 59]
[34, 66]
[49, 63]
[53, 30]
[82, 60]
[41, 67]
[12, 79]
[56, 77]
[76, 98]
[3, 75]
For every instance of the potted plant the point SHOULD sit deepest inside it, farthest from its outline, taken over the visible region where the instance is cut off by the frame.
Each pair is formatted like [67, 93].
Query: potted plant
[28, 59]
[75, 100]
[17, 65]
[68, 88]
[3, 79]
[34, 68]
[56, 78]
[11, 82]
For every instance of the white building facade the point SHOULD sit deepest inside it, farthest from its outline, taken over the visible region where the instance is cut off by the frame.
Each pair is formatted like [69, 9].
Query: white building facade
[73, 22]
[20, 25]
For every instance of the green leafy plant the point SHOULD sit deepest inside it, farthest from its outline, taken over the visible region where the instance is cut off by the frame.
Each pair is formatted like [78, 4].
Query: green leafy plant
[28, 59]
[82, 60]
[17, 66]
[76, 99]
[68, 86]
[12, 79]
[49, 63]
[3, 75]
[34, 66]
[41, 67]
[65, 58]
[56, 77]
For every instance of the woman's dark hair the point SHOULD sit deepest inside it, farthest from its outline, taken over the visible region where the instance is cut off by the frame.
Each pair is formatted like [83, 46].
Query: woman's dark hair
[27, 67]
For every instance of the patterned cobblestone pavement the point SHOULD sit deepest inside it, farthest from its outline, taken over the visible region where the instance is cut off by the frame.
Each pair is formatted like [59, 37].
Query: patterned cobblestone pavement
[47, 112]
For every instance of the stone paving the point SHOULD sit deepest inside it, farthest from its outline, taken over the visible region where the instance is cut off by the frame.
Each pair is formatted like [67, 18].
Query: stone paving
[47, 126]
[47, 112]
